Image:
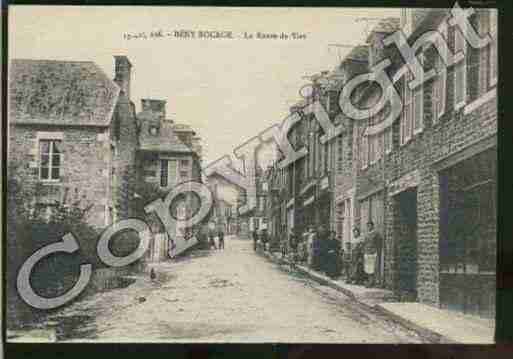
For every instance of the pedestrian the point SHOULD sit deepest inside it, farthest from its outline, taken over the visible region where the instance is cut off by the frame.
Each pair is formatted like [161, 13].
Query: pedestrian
[358, 275]
[372, 254]
[332, 250]
[346, 262]
[317, 246]
[255, 239]
[211, 240]
[264, 238]
[220, 237]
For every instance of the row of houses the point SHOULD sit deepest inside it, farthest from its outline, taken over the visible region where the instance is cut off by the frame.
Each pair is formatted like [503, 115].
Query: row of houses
[428, 182]
[75, 137]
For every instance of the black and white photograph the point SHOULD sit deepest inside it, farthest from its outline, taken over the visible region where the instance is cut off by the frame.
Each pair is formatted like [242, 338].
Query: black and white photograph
[184, 174]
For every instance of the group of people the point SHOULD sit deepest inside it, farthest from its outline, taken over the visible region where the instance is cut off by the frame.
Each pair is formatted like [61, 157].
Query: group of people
[321, 250]
[362, 262]
[220, 240]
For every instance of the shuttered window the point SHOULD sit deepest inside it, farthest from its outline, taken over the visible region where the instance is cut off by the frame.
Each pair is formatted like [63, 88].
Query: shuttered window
[364, 151]
[388, 140]
[418, 100]
[406, 125]
[460, 71]
[440, 83]
[493, 47]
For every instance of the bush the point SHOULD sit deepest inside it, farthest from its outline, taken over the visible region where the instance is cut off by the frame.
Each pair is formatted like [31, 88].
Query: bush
[28, 230]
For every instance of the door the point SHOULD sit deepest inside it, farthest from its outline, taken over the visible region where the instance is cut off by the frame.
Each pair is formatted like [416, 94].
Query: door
[406, 234]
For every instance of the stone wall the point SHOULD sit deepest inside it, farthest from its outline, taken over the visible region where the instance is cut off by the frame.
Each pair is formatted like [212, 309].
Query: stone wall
[85, 170]
[439, 140]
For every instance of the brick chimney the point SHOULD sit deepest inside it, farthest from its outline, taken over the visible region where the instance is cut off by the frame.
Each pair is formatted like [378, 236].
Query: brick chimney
[123, 70]
[155, 106]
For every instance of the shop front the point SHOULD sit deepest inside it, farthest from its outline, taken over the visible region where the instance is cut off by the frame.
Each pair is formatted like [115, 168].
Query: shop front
[468, 218]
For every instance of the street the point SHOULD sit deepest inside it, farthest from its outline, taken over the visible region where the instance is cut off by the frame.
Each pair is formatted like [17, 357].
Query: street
[233, 295]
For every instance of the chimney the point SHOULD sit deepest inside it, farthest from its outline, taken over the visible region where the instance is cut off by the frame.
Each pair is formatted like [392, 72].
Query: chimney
[154, 106]
[123, 69]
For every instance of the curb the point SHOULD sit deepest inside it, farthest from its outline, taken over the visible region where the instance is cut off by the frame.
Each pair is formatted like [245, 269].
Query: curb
[423, 332]
[434, 336]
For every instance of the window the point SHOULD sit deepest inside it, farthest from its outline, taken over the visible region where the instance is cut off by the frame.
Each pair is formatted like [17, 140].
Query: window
[340, 159]
[168, 172]
[364, 151]
[184, 163]
[388, 139]
[164, 171]
[50, 160]
[493, 47]
[406, 125]
[460, 72]
[440, 82]
[326, 158]
[418, 111]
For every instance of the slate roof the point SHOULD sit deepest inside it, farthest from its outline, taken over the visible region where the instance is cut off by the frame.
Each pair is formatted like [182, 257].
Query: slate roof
[60, 92]
[386, 25]
[182, 127]
[358, 53]
[165, 141]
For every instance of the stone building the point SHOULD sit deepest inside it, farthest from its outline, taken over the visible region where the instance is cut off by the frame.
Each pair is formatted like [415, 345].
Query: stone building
[167, 156]
[429, 181]
[73, 136]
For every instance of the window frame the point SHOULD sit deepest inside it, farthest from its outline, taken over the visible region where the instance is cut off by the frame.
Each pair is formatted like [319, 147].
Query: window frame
[460, 65]
[493, 59]
[418, 92]
[406, 117]
[50, 154]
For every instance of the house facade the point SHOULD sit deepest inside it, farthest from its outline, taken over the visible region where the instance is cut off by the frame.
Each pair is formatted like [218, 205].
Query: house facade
[167, 156]
[73, 136]
[75, 139]
[428, 182]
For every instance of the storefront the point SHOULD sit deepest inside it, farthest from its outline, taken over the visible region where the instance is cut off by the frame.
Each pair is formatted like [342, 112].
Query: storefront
[468, 234]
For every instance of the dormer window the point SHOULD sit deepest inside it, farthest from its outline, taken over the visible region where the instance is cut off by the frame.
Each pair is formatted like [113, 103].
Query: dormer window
[154, 130]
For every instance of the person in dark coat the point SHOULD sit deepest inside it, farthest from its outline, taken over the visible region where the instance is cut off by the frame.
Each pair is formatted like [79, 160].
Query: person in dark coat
[220, 237]
[318, 248]
[255, 240]
[346, 262]
[332, 250]
[212, 242]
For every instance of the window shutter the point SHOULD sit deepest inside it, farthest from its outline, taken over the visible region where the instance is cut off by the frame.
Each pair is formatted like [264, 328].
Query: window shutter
[441, 83]
[364, 153]
[460, 71]
[493, 47]
[388, 140]
[418, 104]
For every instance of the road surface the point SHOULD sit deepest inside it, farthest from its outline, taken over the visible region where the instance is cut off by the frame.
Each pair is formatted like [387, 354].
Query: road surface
[233, 295]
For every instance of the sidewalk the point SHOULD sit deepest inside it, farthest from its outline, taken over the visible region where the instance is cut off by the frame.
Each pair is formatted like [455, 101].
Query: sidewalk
[446, 326]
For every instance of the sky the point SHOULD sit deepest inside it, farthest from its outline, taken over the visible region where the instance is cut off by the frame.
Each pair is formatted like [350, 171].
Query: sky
[228, 90]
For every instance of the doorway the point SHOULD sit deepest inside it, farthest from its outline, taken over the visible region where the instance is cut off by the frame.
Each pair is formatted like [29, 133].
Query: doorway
[406, 245]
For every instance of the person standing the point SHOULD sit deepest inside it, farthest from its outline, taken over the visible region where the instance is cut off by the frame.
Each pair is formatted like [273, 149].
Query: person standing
[318, 245]
[332, 248]
[220, 237]
[372, 255]
[346, 262]
[255, 240]
[358, 274]
[211, 241]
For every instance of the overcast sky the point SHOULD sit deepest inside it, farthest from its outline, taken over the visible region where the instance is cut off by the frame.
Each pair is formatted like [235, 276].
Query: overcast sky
[228, 90]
